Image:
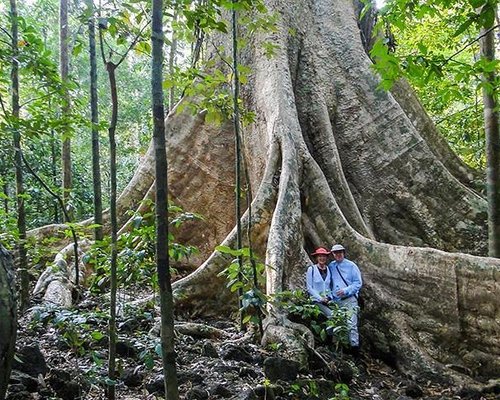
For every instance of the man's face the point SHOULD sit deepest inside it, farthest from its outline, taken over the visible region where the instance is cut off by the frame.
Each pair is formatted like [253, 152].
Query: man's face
[338, 255]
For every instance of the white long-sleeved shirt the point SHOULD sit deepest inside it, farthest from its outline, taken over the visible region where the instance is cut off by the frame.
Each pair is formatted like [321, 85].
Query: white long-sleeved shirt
[318, 287]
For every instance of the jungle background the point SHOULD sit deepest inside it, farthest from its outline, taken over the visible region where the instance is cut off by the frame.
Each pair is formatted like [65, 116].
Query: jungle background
[61, 143]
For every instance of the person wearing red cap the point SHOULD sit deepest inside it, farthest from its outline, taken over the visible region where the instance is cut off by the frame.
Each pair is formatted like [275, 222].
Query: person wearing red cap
[319, 281]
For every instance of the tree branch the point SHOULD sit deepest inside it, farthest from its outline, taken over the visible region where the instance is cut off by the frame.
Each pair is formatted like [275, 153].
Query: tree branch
[470, 43]
[134, 42]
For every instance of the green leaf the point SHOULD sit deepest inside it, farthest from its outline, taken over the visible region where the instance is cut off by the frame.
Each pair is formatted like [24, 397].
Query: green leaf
[477, 3]
[487, 16]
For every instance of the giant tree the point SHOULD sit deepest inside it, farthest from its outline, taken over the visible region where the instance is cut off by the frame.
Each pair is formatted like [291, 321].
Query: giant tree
[333, 158]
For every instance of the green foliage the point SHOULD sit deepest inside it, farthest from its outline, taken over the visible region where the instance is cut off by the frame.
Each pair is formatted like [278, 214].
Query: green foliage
[342, 392]
[253, 300]
[433, 44]
[302, 309]
[136, 251]
[77, 329]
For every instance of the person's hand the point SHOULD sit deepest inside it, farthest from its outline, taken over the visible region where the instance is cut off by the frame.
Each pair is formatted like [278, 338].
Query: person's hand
[340, 293]
[325, 300]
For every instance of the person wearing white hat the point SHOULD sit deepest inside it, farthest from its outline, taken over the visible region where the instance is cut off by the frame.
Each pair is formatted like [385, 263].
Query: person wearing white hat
[346, 285]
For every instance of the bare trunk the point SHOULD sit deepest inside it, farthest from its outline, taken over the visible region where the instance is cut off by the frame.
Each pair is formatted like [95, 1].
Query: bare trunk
[335, 159]
[161, 202]
[66, 141]
[8, 316]
[111, 68]
[96, 169]
[492, 130]
[21, 213]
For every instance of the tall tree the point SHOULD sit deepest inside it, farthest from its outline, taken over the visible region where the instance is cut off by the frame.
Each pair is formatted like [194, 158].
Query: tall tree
[492, 130]
[20, 194]
[8, 316]
[96, 169]
[111, 67]
[162, 253]
[171, 64]
[65, 110]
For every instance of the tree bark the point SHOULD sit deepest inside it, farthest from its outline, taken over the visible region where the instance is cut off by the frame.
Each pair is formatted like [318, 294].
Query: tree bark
[66, 140]
[8, 316]
[492, 131]
[111, 68]
[21, 213]
[161, 203]
[337, 160]
[96, 168]
[334, 159]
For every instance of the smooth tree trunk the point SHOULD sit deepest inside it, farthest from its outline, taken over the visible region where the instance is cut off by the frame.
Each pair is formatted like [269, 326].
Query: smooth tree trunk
[65, 110]
[21, 213]
[96, 169]
[8, 316]
[492, 131]
[111, 68]
[171, 65]
[54, 162]
[161, 203]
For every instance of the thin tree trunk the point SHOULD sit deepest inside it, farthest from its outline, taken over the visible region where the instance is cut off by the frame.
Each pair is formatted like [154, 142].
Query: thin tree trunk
[8, 317]
[111, 68]
[64, 67]
[171, 65]
[492, 130]
[237, 152]
[162, 260]
[21, 213]
[5, 189]
[96, 170]
[54, 160]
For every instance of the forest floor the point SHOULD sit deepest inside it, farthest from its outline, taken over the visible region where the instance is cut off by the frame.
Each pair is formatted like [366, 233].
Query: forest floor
[62, 354]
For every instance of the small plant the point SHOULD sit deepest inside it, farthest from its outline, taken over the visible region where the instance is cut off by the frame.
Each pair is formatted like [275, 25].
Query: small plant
[136, 258]
[341, 392]
[253, 300]
[307, 388]
[302, 309]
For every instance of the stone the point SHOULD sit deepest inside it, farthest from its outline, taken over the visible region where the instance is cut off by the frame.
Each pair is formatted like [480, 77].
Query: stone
[237, 354]
[197, 393]
[413, 390]
[31, 361]
[156, 385]
[277, 368]
[132, 378]
[125, 349]
[209, 350]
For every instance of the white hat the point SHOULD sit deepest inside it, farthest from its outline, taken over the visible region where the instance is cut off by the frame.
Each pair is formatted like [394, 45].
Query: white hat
[337, 247]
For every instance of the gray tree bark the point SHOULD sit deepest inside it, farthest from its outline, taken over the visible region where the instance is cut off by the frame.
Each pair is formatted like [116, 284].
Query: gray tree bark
[8, 316]
[161, 203]
[66, 140]
[337, 160]
[492, 131]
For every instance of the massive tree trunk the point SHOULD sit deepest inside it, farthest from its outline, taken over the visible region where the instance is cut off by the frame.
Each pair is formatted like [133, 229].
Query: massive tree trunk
[334, 159]
[337, 160]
